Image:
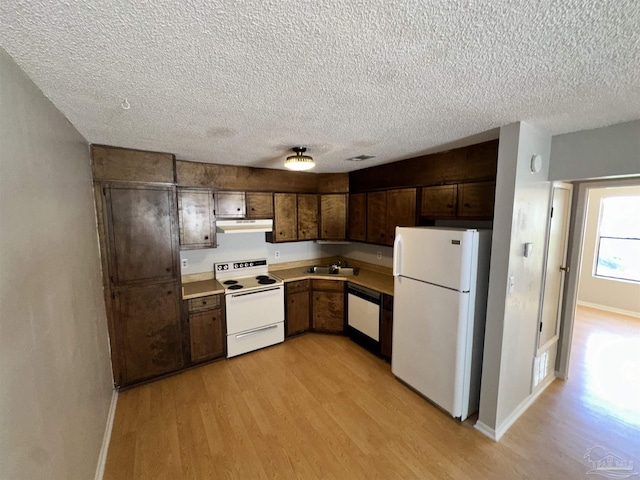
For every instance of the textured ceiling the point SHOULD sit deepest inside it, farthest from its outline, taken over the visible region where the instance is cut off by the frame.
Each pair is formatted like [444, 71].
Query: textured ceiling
[241, 82]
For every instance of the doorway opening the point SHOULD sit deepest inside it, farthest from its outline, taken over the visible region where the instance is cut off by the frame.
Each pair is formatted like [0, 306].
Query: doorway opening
[601, 334]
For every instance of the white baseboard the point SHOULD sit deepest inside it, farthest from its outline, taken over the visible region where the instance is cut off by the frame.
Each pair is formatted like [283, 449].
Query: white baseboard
[497, 434]
[102, 458]
[606, 308]
[486, 430]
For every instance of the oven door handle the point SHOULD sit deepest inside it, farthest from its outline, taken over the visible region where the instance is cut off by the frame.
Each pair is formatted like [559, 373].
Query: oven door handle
[257, 330]
[234, 295]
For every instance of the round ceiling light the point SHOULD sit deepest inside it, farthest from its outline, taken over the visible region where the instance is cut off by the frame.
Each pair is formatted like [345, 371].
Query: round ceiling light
[299, 161]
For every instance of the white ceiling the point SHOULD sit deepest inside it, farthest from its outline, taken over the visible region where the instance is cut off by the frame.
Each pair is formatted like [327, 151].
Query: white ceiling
[241, 82]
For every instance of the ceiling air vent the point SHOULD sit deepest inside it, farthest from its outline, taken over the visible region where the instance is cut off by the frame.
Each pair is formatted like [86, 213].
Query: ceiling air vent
[360, 158]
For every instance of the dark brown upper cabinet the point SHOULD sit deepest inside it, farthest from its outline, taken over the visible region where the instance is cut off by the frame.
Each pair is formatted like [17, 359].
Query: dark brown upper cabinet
[285, 218]
[259, 204]
[307, 217]
[476, 200]
[439, 202]
[333, 216]
[196, 218]
[141, 223]
[230, 205]
[126, 165]
[358, 217]
[377, 218]
[388, 209]
[401, 210]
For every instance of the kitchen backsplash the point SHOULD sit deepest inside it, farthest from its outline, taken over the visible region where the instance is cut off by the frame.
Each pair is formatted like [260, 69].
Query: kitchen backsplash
[247, 246]
[253, 245]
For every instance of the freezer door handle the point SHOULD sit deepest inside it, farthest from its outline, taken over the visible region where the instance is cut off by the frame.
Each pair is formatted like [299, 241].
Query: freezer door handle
[397, 252]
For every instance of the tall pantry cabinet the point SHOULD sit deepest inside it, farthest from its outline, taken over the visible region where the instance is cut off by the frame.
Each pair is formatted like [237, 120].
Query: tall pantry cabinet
[138, 230]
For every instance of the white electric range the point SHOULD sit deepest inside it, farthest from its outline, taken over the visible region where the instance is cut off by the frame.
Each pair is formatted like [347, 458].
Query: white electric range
[254, 301]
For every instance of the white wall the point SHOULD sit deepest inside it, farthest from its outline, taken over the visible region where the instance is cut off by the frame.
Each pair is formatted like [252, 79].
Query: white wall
[248, 246]
[608, 293]
[522, 202]
[600, 153]
[365, 253]
[55, 373]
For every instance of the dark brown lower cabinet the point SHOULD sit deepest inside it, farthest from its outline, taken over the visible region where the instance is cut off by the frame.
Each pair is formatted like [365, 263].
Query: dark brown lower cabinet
[386, 326]
[327, 305]
[297, 307]
[148, 327]
[206, 328]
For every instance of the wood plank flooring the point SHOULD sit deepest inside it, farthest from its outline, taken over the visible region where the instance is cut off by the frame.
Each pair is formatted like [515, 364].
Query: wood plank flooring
[319, 406]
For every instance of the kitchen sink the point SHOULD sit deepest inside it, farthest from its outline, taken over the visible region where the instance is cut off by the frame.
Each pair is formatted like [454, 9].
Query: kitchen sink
[332, 270]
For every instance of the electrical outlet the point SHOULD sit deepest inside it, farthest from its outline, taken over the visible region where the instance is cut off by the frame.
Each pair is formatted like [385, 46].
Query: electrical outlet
[379, 255]
[185, 263]
[277, 254]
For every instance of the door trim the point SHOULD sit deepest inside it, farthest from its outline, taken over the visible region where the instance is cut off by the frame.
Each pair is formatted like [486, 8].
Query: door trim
[554, 339]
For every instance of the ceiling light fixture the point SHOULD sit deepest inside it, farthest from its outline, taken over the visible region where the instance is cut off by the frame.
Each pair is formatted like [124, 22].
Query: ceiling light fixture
[299, 161]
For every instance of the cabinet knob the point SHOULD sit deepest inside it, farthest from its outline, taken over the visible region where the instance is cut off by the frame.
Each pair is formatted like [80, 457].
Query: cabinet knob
[449, 205]
[281, 233]
[204, 303]
[206, 237]
[168, 269]
[467, 205]
[237, 209]
[169, 292]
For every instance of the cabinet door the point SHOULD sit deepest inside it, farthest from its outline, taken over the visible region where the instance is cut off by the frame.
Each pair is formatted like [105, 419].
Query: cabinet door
[401, 211]
[195, 214]
[206, 332]
[141, 224]
[439, 202]
[333, 216]
[148, 327]
[476, 199]
[297, 313]
[358, 217]
[328, 311]
[307, 217]
[377, 217]
[386, 326]
[285, 228]
[230, 205]
[259, 204]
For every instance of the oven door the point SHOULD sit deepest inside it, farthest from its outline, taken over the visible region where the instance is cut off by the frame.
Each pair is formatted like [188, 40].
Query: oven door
[254, 309]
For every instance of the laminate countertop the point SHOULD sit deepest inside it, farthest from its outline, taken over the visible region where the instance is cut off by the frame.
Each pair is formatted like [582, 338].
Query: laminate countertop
[380, 282]
[201, 288]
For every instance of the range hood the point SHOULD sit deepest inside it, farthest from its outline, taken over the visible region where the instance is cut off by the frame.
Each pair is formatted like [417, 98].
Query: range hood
[244, 226]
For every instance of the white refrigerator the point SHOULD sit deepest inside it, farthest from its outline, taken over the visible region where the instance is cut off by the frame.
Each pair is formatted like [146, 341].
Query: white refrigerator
[441, 278]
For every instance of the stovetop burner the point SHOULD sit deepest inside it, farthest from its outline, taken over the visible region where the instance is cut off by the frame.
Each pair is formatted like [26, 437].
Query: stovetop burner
[247, 275]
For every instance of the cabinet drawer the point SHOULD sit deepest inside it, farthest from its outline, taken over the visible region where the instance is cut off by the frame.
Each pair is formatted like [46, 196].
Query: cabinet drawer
[298, 286]
[204, 303]
[334, 285]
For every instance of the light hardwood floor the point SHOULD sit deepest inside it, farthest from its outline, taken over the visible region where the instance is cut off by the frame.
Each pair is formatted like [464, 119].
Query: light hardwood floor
[318, 406]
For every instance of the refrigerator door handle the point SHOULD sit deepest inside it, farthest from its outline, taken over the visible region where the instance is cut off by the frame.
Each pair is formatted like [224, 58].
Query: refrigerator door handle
[397, 251]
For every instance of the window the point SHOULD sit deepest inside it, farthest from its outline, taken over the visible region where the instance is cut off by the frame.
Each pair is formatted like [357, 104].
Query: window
[619, 239]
